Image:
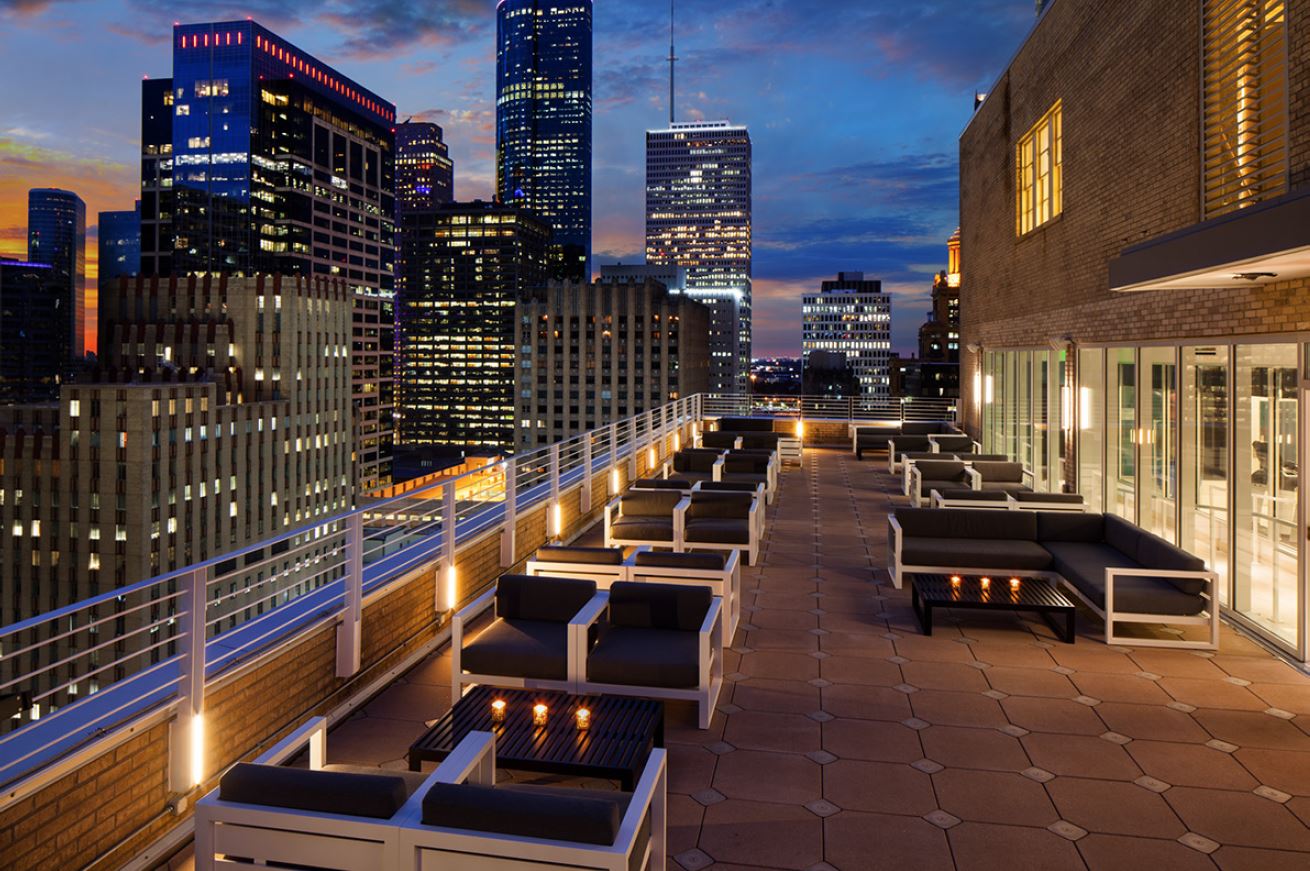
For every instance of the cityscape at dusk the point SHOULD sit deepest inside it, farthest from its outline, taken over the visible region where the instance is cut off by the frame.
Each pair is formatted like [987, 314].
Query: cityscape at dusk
[654, 435]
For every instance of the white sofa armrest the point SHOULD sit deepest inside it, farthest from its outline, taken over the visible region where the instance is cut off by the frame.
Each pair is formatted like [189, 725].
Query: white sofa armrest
[716, 471]
[613, 510]
[711, 639]
[313, 733]
[680, 522]
[914, 484]
[579, 628]
[894, 566]
[975, 478]
[462, 616]
[472, 761]
[1029, 478]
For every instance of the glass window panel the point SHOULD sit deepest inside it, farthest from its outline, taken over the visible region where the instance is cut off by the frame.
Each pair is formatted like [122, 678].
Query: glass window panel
[1121, 433]
[1090, 414]
[1159, 437]
[1204, 463]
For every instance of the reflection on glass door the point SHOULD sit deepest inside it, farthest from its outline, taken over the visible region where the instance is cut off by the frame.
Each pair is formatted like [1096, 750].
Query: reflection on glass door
[1267, 533]
[1091, 426]
[1042, 420]
[1121, 433]
[1159, 441]
[1204, 460]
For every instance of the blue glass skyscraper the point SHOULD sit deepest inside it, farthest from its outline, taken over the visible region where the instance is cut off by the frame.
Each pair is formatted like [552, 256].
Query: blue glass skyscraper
[56, 236]
[543, 121]
[119, 240]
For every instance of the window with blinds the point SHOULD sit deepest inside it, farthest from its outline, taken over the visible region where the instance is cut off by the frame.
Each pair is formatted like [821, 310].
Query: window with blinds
[1245, 103]
[1039, 172]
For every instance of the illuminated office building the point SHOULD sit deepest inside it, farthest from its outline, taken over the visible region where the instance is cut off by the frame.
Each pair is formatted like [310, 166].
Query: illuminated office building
[698, 216]
[279, 165]
[463, 267]
[851, 316]
[118, 236]
[36, 331]
[425, 174]
[156, 206]
[56, 236]
[543, 121]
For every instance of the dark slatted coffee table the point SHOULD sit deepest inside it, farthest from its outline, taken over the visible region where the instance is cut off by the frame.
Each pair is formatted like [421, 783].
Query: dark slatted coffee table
[623, 732]
[1034, 594]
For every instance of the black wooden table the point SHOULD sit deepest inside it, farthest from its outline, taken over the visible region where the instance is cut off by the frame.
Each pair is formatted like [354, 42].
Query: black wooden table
[1038, 595]
[623, 732]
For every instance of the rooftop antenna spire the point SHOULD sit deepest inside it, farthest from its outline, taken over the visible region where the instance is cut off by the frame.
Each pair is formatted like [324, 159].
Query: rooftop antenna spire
[673, 60]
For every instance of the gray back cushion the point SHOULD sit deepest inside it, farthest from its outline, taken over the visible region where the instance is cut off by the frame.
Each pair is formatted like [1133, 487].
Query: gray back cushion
[665, 560]
[658, 606]
[549, 600]
[719, 504]
[1069, 526]
[750, 463]
[651, 503]
[661, 484]
[590, 818]
[967, 523]
[1154, 551]
[919, 427]
[1000, 473]
[761, 440]
[376, 796]
[1122, 535]
[940, 470]
[601, 556]
[695, 461]
[718, 439]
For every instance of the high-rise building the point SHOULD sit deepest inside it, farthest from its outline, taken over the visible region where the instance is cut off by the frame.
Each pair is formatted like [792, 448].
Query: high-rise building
[36, 331]
[672, 277]
[119, 239]
[463, 268]
[425, 174]
[279, 165]
[852, 316]
[156, 225]
[698, 216]
[590, 353]
[543, 122]
[56, 236]
[935, 372]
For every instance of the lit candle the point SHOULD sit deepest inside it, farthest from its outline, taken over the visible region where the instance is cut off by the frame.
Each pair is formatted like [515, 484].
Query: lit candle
[539, 715]
[498, 711]
[955, 580]
[1014, 583]
[584, 719]
[986, 583]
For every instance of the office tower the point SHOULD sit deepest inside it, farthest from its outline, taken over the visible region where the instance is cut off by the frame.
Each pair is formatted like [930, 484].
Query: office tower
[597, 352]
[672, 277]
[220, 416]
[282, 165]
[119, 240]
[698, 215]
[425, 174]
[463, 268]
[156, 205]
[851, 316]
[56, 235]
[36, 331]
[934, 373]
[543, 122]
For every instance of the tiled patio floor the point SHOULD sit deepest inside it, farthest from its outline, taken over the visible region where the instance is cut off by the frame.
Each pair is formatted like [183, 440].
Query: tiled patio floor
[847, 740]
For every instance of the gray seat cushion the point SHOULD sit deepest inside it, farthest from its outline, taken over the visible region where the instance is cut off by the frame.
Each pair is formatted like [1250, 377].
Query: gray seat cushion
[1083, 564]
[633, 656]
[975, 553]
[663, 559]
[746, 485]
[1006, 486]
[926, 487]
[601, 556]
[659, 606]
[642, 529]
[742, 478]
[519, 648]
[376, 796]
[552, 600]
[586, 817]
[718, 530]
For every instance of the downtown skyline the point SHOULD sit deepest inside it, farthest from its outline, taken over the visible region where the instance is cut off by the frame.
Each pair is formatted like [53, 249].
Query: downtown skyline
[864, 179]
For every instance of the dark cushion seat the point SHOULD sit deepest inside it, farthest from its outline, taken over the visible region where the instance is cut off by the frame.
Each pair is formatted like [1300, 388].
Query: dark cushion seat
[1083, 564]
[714, 561]
[743, 478]
[519, 648]
[746, 484]
[376, 796]
[600, 556]
[978, 553]
[642, 529]
[983, 458]
[1007, 486]
[919, 456]
[927, 487]
[662, 484]
[718, 530]
[582, 816]
[632, 656]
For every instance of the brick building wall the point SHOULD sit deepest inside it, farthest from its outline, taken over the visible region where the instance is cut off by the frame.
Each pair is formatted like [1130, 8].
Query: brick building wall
[1128, 76]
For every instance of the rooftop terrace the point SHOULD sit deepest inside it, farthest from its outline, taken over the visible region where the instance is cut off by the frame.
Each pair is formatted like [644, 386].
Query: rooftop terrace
[846, 739]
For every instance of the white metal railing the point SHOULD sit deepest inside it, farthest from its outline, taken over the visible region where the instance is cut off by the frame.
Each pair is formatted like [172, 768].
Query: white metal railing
[91, 667]
[851, 409]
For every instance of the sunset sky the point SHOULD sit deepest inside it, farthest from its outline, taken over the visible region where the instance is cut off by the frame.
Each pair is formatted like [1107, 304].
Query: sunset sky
[855, 108]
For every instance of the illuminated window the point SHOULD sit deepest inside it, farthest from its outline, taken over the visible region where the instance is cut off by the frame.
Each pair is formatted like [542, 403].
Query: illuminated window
[1039, 167]
[1245, 109]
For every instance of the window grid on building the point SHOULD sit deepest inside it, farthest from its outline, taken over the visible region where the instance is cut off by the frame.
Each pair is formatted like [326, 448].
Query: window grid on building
[1039, 170]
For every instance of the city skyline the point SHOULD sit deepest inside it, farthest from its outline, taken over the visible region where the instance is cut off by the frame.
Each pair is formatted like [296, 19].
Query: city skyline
[877, 192]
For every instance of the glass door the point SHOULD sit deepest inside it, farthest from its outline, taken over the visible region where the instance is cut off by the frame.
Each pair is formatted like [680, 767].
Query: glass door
[1090, 411]
[1158, 439]
[1204, 460]
[1121, 433]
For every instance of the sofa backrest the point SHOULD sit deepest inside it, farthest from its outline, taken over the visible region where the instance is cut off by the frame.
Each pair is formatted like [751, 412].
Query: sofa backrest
[1070, 526]
[695, 461]
[718, 439]
[590, 817]
[597, 556]
[719, 505]
[549, 600]
[1147, 548]
[658, 606]
[999, 473]
[661, 484]
[750, 463]
[376, 796]
[759, 440]
[955, 443]
[746, 424]
[927, 427]
[649, 503]
[941, 470]
[908, 443]
[967, 523]
[709, 560]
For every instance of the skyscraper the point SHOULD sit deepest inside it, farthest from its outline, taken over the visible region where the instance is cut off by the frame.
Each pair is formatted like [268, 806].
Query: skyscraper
[119, 240]
[280, 165]
[543, 121]
[698, 215]
[425, 174]
[463, 267]
[56, 236]
[851, 316]
[36, 331]
[156, 206]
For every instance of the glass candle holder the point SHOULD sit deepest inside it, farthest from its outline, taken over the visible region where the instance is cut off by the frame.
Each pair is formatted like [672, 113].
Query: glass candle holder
[539, 715]
[1014, 584]
[498, 711]
[955, 580]
[986, 583]
[583, 717]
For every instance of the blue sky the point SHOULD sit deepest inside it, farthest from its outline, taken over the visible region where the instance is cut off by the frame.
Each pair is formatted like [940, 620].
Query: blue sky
[855, 108]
